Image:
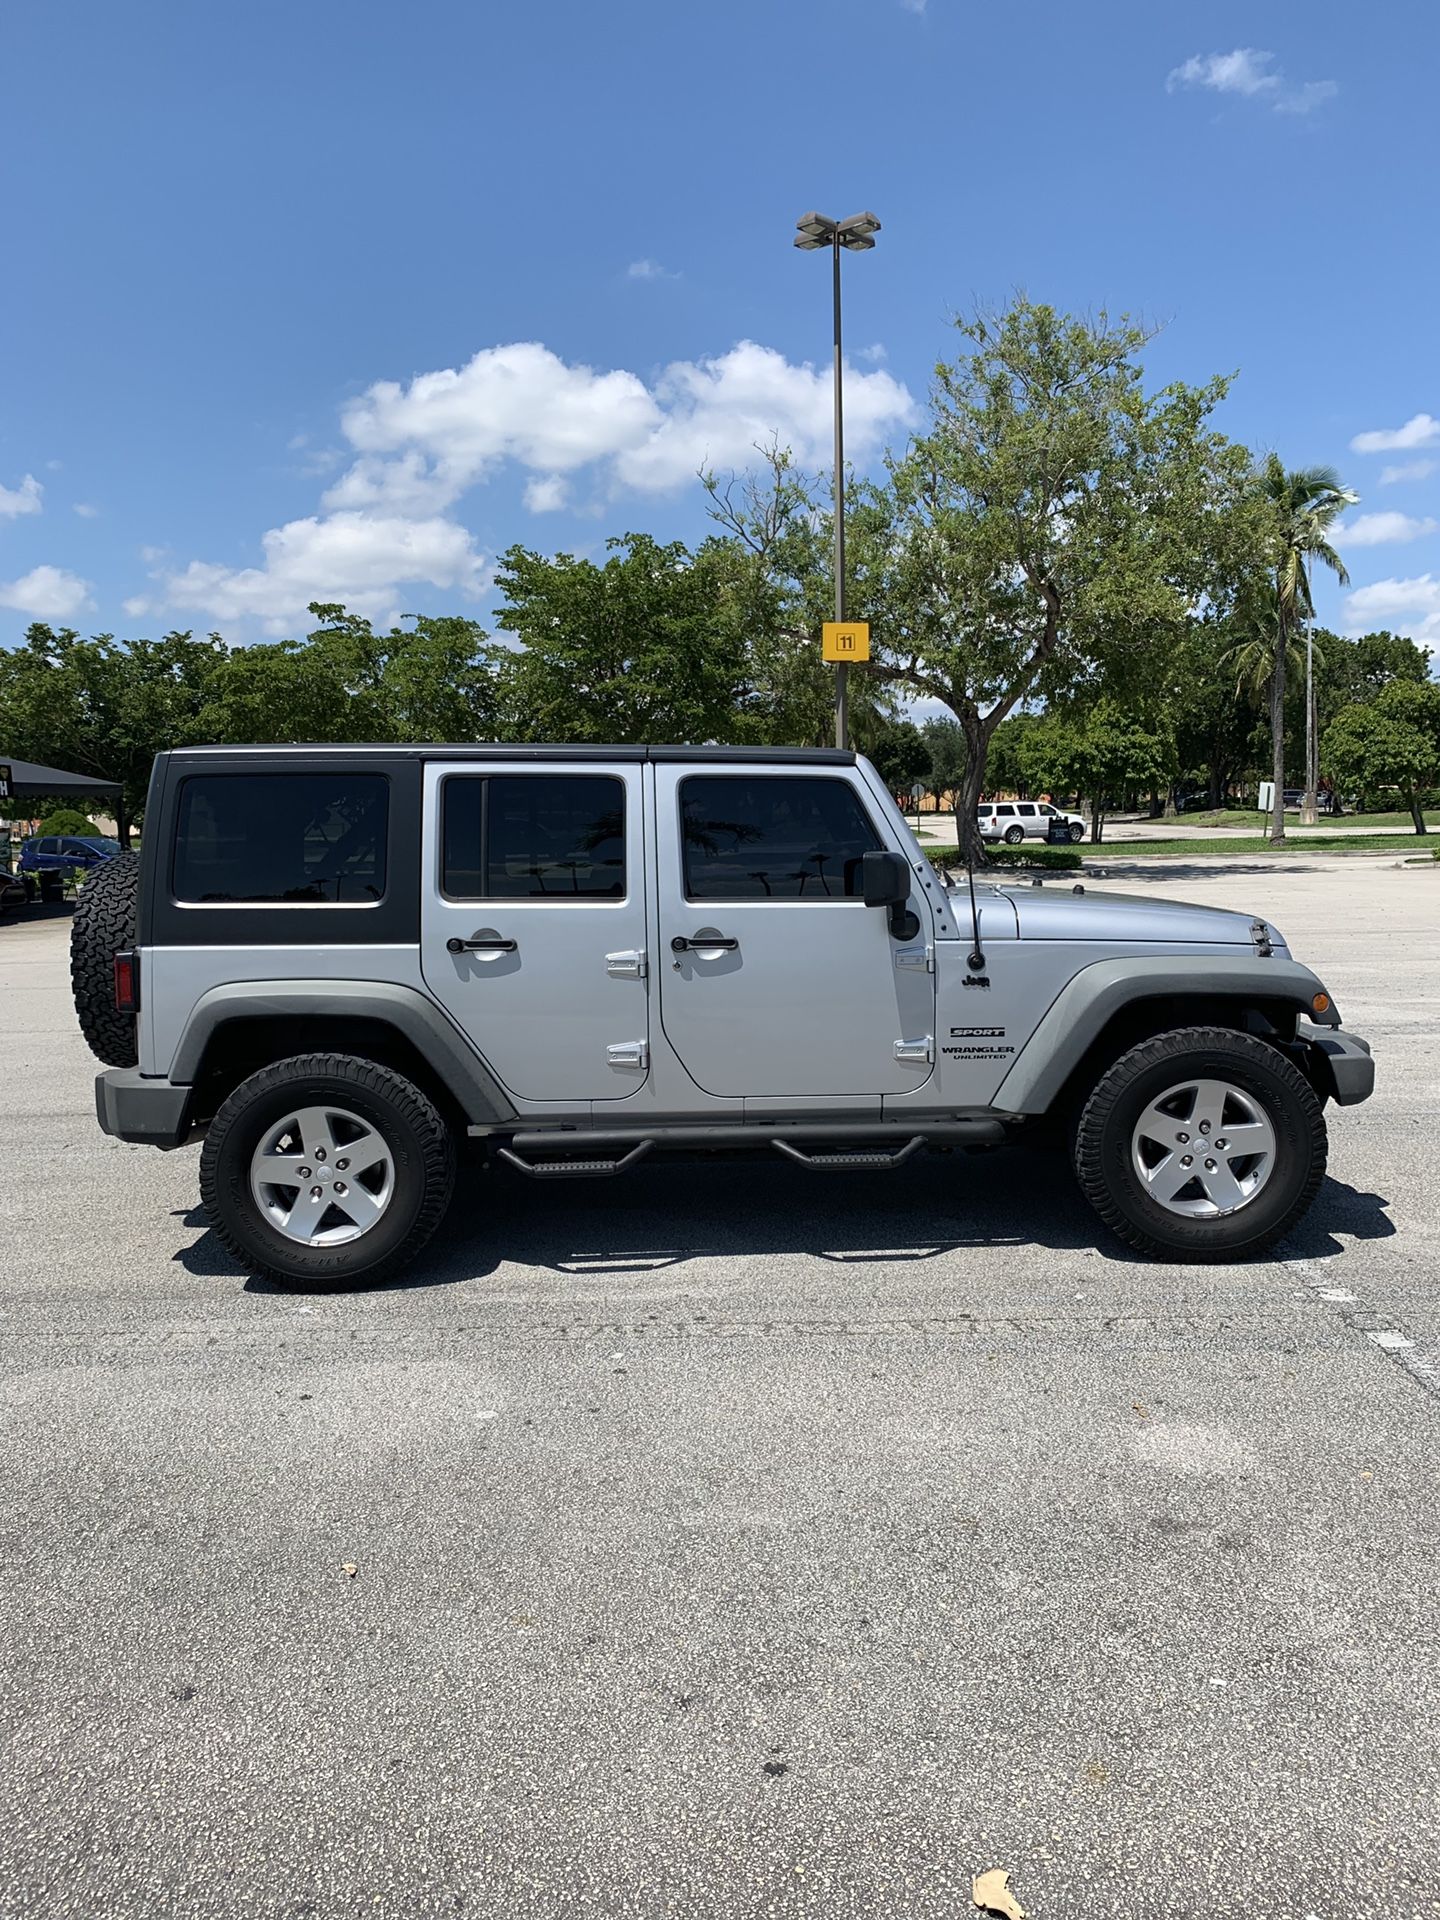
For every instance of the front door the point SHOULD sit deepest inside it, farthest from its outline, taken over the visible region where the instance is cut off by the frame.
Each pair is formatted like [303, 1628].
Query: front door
[533, 923]
[784, 985]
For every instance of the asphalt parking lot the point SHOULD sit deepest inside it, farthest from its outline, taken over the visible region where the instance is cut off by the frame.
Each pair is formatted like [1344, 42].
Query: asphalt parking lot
[771, 1546]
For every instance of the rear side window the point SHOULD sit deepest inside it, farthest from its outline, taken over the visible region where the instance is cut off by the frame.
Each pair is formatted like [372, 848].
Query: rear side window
[1008, 811]
[773, 838]
[533, 836]
[281, 839]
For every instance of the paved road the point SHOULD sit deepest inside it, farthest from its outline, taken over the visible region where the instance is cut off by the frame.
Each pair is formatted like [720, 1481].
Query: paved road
[730, 1548]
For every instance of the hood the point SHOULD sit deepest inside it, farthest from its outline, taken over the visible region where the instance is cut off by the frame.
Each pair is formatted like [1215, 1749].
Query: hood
[1054, 913]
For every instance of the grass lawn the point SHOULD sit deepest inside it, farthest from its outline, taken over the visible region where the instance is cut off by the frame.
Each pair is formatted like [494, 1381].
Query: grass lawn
[1235, 817]
[1310, 842]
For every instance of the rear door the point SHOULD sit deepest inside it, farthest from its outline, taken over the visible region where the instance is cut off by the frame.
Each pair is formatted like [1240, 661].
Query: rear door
[784, 985]
[537, 872]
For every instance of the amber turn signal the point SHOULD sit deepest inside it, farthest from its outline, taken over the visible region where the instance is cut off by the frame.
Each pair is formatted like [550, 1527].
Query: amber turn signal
[1321, 1003]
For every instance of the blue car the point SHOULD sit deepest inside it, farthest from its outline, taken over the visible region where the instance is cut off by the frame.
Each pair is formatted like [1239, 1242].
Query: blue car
[48, 858]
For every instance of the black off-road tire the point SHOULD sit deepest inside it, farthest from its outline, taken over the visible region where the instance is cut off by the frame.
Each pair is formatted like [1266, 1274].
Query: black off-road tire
[419, 1140]
[104, 925]
[1102, 1148]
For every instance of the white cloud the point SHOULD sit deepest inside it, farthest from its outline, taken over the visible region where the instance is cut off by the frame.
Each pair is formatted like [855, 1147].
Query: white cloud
[86, 511]
[1381, 529]
[1246, 70]
[1420, 430]
[421, 446]
[152, 556]
[357, 558]
[22, 499]
[914, 6]
[1307, 96]
[1251, 73]
[714, 413]
[135, 605]
[874, 353]
[1410, 607]
[547, 493]
[649, 270]
[46, 593]
[1407, 470]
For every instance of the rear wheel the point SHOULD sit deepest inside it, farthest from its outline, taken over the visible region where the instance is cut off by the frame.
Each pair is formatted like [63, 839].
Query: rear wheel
[1202, 1144]
[1014, 835]
[326, 1169]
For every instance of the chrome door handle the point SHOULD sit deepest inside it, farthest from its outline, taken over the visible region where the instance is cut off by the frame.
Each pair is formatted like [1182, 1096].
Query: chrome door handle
[703, 943]
[455, 945]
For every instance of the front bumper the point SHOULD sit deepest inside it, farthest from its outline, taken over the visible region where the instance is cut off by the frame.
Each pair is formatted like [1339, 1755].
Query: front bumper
[1341, 1064]
[150, 1112]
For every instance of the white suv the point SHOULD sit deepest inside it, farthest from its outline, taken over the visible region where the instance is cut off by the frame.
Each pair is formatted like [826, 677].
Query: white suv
[1015, 820]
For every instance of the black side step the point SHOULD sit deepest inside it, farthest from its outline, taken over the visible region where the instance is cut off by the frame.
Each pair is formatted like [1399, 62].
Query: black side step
[574, 1169]
[857, 1157]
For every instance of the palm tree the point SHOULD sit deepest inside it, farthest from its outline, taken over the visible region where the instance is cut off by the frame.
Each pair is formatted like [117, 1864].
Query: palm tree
[1305, 503]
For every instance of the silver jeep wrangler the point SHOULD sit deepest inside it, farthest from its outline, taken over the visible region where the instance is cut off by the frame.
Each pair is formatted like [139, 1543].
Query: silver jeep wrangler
[340, 966]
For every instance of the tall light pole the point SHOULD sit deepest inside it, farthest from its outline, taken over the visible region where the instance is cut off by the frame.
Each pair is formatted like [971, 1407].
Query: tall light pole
[856, 235]
[1307, 805]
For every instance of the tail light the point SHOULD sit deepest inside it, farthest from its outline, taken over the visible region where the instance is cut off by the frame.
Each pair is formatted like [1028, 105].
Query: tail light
[127, 982]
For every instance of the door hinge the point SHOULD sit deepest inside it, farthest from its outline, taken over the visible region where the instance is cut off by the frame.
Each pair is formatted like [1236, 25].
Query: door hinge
[918, 958]
[922, 1052]
[628, 1053]
[632, 965]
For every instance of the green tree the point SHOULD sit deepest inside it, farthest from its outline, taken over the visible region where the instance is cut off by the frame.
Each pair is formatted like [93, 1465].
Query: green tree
[1101, 754]
[436, 680]
[1006, 768]
[105, 707]
[901, 755]
[1303, 504]
[647, 647]
[1054, 521]
[1392, 744]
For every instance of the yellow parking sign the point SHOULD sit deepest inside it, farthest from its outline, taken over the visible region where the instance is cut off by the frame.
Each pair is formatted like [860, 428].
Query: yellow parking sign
[845, 641]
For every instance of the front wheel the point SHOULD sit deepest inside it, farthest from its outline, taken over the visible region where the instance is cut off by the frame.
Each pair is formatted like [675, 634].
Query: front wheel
[326, 1169]
[1077, 833]
[1203, 1144]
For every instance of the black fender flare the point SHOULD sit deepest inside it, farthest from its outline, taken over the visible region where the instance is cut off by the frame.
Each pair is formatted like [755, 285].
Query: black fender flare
[434, 1036]
[1088, 1001]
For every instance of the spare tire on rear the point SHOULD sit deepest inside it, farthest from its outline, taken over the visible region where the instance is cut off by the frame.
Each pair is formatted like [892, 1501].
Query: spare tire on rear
[104, 925]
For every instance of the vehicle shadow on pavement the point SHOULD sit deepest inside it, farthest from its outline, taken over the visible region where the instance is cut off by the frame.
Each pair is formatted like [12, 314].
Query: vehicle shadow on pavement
[1218, 868]
[664, 1217]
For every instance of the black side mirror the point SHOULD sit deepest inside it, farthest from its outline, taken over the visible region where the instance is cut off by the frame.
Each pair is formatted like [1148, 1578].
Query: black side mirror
[885, 879]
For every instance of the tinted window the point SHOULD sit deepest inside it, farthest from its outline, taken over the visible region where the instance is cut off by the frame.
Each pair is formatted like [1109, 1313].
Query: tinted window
[282, 838]
[779, 838]
[1047, 813]
[1006, 810]
[534, 836]
[1027, 808]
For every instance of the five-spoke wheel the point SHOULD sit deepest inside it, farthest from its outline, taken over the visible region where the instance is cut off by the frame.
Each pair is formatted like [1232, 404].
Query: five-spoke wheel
[326, 1168]
[1203, 1143]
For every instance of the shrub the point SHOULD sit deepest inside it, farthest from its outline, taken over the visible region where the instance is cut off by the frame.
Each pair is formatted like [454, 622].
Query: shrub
[1058, 859]
[69, 820]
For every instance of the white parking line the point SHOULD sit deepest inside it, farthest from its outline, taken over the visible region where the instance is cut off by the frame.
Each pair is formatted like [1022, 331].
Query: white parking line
[1356, 1317]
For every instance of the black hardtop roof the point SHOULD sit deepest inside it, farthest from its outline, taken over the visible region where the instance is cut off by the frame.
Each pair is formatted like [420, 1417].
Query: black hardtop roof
[498, 750]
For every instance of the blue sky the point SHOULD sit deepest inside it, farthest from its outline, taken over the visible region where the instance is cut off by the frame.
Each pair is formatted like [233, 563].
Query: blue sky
[332, 301]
